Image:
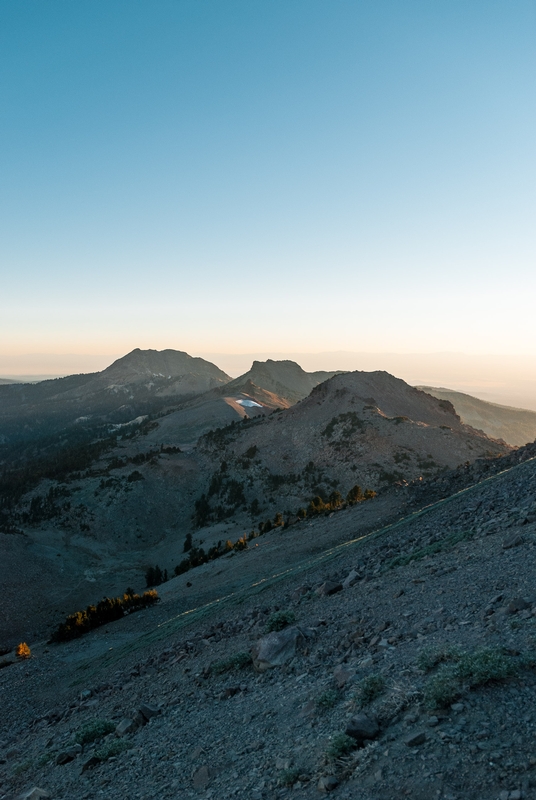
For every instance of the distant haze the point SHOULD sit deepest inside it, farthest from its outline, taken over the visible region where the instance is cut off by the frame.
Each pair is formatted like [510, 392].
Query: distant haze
[495, 378]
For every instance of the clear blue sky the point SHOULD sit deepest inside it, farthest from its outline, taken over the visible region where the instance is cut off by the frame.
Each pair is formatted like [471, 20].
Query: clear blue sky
[289, 175]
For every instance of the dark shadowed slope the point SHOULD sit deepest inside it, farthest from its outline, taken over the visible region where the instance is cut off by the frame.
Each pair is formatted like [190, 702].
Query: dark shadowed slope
[517, 426]
[139, 383]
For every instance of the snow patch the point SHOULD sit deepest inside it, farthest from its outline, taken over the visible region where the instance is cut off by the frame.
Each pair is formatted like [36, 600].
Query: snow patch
[249, 403]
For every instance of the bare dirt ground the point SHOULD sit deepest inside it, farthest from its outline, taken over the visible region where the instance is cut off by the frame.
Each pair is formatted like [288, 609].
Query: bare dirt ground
[433, 638]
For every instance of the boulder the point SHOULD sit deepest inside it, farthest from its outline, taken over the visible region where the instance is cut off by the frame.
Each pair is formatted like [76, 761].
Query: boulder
[416, 739]
[350, 580]
[328, 588]
[327, 783]
[517, 604]
[513, 541]
[342, 675]
[127, 725]
[202, 776]
[147, 710]
[69, 754]
[92, 762]
[362, 727]
[276, 648]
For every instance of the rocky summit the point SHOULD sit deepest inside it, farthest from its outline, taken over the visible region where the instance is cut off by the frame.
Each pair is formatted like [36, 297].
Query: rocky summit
[331, 595]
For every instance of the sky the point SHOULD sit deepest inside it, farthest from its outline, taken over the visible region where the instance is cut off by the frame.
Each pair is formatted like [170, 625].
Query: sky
[252, 177]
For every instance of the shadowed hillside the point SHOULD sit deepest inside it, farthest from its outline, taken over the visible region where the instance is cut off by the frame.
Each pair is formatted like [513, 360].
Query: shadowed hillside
[517, 426]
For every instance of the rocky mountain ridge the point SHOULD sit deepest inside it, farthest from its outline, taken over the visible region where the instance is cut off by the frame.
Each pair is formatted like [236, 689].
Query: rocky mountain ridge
[138, 503]
[517, 426]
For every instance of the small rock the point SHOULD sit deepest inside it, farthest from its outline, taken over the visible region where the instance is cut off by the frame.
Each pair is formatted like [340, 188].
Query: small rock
[513, 541]
[203, 776]
[327, 783]
[328, 588]
[282, 763]
[342, 676]
[350, 579]
[457, 707]
[69, 754]
[90, 763]
[127, 725]
[416, 739]
[298, 593]
[33, 794]
[276, 648]
[517, 604]
[308, 709]
[148, 710]
[362, 727]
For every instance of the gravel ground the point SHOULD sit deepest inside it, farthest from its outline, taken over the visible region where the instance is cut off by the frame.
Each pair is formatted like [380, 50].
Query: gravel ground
[444, 598]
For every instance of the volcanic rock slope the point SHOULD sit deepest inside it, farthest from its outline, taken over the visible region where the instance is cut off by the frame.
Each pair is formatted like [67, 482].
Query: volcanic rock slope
[98, 531]
[267, 386]
[142, 381]
[366, 428]
[517, 426]
[285, 379]
[425, 626]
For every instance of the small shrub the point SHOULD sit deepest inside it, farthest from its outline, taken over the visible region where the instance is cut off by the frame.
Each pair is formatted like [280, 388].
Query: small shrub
[369, 689]
[135, 476]
[328, 699]
[45, 758]
[23, 651]
[94, 730]
[111, 749]
[430, 657]
[238, 661]
[340, 745]
[279, 620]
[288, 777]
[22, 766]
[484, 666]
[469, 671]
[442, 689]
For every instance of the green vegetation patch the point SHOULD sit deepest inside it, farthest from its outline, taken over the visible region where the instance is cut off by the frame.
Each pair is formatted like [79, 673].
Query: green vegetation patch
[22, 766]
[279, 620]
[236, 661]
[348, 424]
[328, 699]
[112, 749]
[94, 730]
[469, 671]
[288, 777]
[431, 657]
[369, 689]
[340, 745]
